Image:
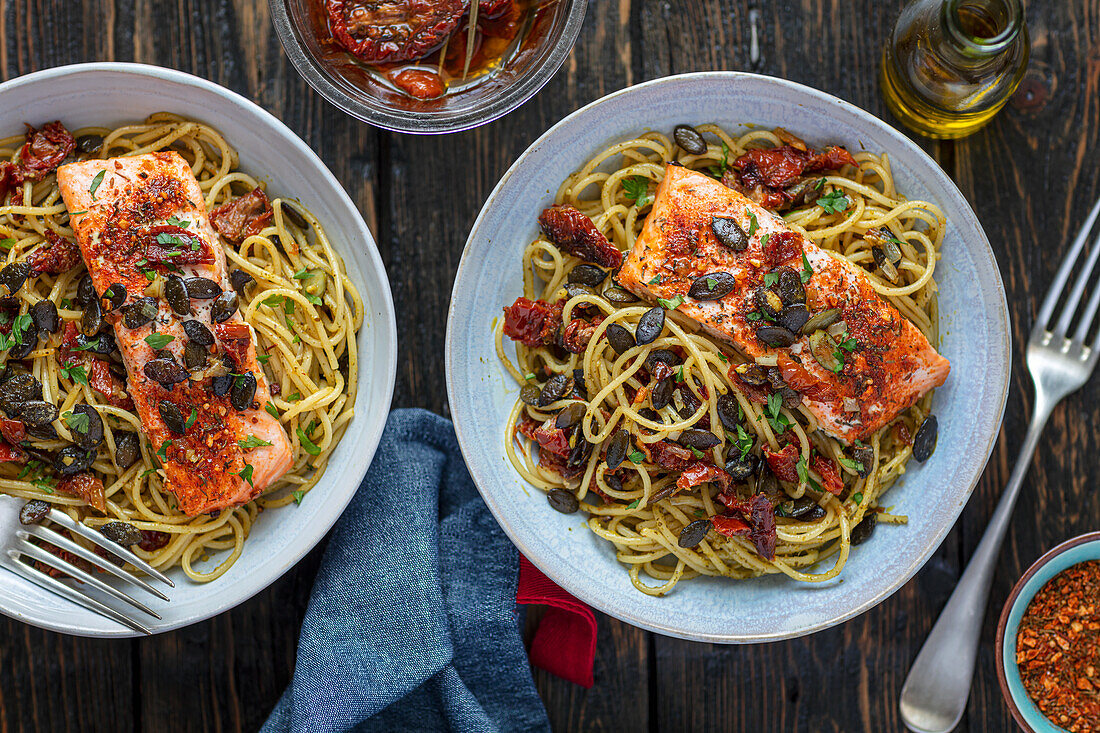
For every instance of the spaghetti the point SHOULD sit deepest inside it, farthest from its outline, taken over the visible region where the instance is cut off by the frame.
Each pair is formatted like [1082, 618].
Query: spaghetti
[638, 507]
[302, 306]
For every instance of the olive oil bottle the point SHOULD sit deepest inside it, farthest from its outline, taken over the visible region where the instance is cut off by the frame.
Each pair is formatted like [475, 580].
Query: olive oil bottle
[950, 65]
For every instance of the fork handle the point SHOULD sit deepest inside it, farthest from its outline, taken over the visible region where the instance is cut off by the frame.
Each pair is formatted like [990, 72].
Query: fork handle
[936, 690]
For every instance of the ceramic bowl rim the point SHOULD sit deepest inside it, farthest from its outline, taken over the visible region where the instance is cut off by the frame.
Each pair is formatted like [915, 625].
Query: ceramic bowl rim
[1014, 599]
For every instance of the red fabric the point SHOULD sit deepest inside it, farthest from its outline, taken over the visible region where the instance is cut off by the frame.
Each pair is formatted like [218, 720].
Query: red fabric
[565, 641]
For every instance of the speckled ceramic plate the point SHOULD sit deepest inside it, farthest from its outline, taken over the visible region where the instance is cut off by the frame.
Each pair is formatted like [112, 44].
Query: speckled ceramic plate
[970, 406]
[110, 93]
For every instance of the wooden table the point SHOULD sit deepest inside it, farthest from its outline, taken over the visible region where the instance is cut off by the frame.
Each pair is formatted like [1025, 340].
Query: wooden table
[1031, 175]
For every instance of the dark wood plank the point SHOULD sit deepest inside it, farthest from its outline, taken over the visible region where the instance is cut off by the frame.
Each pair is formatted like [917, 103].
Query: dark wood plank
[1032, 178]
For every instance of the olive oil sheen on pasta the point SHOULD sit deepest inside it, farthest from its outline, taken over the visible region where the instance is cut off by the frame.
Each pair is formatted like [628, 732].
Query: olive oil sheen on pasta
[950, 65]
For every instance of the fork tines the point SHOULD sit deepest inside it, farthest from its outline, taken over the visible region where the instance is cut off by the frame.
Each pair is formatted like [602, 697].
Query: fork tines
[1070, 307]
[23, 547]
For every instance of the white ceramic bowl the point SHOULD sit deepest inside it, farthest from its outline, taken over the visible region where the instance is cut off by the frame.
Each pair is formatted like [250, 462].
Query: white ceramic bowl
[109, 93]
[974, 323]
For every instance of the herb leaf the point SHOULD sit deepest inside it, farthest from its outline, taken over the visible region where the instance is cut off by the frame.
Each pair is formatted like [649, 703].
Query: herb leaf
[636, 457]
[298, 496]
[159, 340]
[670, 303]
[77, 421]
[834, 202]
[252, 442]
[309, 446]
[246, 474]
[807, 271]
[753, 225]
[191, 418]
[76, 373]
[637, 190]
[95, 182]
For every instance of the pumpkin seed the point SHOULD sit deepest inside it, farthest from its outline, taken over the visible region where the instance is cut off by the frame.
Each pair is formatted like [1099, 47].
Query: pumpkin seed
[570, 415]
[740, 468]
[141, 311]
[122, 533]
[194, 356]
[924, 442]
[661, 394]
[172, 416]
[85, 290]
[694, 533]
[225, 305]
[114, 296]
[563, 501]
[92, 436]
[821, 320]
[688, 138]
[33, 512]
[127, 449]
[243, 391]
[729, 411]
[729, 233]
[618, 296]
[794, 317]
[650, 325]
[554, 389]
[165, 372]
[529, 395]
[198, 333]
[863, 531]
[44, 316]
[240, 279]
[73, 459]
[698, 439]
[712, 286]
[618, 446]
[586, 274]
[776, 336]
[36, 413]
[14, 275]
[824, 350]
[620, 338]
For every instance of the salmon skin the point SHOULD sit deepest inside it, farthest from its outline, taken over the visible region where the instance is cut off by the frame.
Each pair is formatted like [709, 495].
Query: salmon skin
[142, 219]
[877, 369]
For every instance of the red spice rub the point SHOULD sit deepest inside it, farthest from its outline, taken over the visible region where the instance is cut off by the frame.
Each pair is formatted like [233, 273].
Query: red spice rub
[1058, 648]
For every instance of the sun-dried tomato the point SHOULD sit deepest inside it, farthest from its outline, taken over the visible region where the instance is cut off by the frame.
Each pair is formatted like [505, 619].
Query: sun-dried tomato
[772, 177]
[151, 540]
[776, 167]
[829, 473]
[12, 454]
[552, 438]
[801, 381]
[87, 487]
[700, 473]
[10, 177]
[573, 232]
[524, 319]
[783, 463]
[576, 335]
[526, 427]
[379, 31]
[13, 431]
[420, 83]
[56, 256]
[832, 158]
[242, 217]
[782, 247]
[558, 465]
[235, 337]
[762, 520]
[729, 525]
[672, 456]
[44, 150]
[107, 384]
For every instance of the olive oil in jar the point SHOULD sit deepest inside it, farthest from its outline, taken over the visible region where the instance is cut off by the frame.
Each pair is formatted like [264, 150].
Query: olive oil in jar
[950, 65]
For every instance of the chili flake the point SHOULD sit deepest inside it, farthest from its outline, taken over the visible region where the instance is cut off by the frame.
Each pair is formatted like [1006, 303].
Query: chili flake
[1058, 648]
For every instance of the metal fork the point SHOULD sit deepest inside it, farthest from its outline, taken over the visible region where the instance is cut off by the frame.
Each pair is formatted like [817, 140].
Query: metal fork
[16, 545]
[935, 693]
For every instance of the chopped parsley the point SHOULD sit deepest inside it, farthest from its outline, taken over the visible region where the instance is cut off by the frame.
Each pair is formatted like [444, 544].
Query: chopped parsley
[159, 340]
[7, 243]
[246, 474]
[95, 182]
[312, 299]
[807, 271]
[637, 190]
[753, 225]
[680, 374]
[77, 421]
[771, 279]
[19, 327]
[298, 495]
[764, 239]
[857, 498]
[309, 446]
[804, 475]
[655, 281]
[720, 170]
[529, 376]
[301, 274]
[147, 472]
[90, 344]
[636, 457]
[75, 373]
[633, 504]
[263, 358]
[725, 359]
[272, 410]
[162, 451]
[252, 442]
[744, 442]
[294, 397]
[696, 452]
[711, 283]
[670, 303]
[177, 222]
[191, 418]
[850, 464]
[77, 213]
[45, 484]
[273, 300]
[776, 418]
[834, 202]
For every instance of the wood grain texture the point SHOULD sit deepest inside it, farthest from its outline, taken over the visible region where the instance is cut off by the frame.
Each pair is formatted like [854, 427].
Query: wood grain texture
[1031, 176]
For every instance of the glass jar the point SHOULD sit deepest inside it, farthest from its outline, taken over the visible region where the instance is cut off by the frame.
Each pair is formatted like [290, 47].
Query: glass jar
[950, 65]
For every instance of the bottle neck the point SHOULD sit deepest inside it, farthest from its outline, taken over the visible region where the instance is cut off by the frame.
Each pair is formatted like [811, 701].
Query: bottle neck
[981, 29]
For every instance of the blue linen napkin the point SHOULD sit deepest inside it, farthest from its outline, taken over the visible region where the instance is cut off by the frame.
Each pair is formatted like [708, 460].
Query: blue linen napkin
[413, 624]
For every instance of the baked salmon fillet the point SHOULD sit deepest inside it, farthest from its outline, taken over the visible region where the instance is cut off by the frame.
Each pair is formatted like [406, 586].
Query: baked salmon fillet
[190, 358]
[745, 288]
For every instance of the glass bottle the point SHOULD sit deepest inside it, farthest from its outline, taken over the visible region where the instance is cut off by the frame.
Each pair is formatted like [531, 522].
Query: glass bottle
[950, 65]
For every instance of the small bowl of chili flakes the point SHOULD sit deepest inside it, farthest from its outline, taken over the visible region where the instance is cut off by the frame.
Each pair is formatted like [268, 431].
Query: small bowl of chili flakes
[1048, 641]
[427, 66]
